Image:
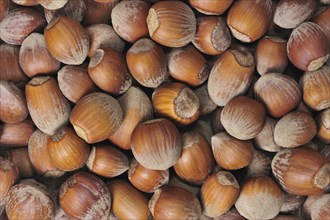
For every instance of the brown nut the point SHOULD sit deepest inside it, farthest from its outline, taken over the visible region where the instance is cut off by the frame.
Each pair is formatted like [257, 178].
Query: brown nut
[145, 179]
[16, 134]
[107, 161]
[210, 7]
[19, 23]
[230, 76]
[301, 171]
[20, 157]
[47, 106]
[260, 198]
[243, 117]
[74, 9]
[187, 65]
[146, 61]
[34, 57]
[177, 102]
[156, 144]
[218, 193]
[265, 139]
[323, 126]
[9, 174]
[129, 19]
[67, 40]
[249, 20]
[13, 108]
[171, 23]
[170, 202]
[108, 70]
[96, 116]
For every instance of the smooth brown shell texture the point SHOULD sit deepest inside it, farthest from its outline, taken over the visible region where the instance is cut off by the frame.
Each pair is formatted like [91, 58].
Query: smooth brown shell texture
[34, 57]
[301, 171]
[170, 202]
[244, 19]
[171, 23]
[129, 19]
[96, 116]
[85, 196]
[316, 88]
[48, 107]
[212, 36]
[19, 23]
[291, 13]
[210, 7]
[13, 106]
[16, 134]
[243, 117]
[218, 193]
[156, 144]
[67, 40]
[9, 62]
[29, 198]
[294, 129]
[230, 76]
[145, 179]
[260, 198]
[127, 201]
[279, 93]
[308, 47]
[231, 153]
[146, 61]
[271, 55]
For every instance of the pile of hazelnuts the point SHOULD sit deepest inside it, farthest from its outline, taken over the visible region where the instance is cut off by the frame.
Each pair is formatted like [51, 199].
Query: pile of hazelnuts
[164, 109]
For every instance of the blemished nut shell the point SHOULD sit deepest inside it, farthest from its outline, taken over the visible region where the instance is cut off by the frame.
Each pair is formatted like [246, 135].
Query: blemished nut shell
[129, 19]
[231, 153]
[146, 61]
[4, 9]
[145, 179]
[47, 106]
[206, 103]
[320, 208]
[291, 202]
[316, 88]
[294, 129]
[13, 106]
[32, 198]
[171, 23]
[85, 196]
[260, 164]
[156, 144]
[211, 7]
[67, 40]
[260, 198]
[52, 5]
[20, 157]
[291, 13]
[230, 76]
[301, 171]
[170, 202]
[97, 13]
[279, 93]
[243, 117]
[218, 193]
[265, 139]
[34, 57]
[19, 23]
[308, 47]
[249, 20]
[96, 116]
